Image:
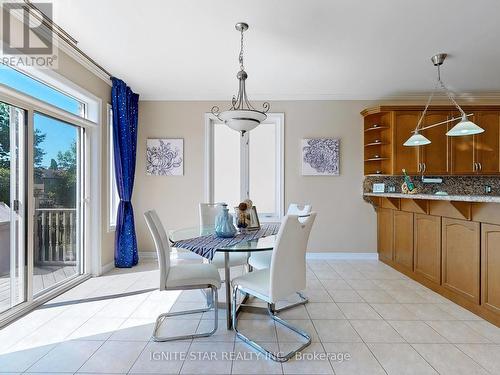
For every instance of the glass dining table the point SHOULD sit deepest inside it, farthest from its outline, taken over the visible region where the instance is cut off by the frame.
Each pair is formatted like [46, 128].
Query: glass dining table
[255, 245]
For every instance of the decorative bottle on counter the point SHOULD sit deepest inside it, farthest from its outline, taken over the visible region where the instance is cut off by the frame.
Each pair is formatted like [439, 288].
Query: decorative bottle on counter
[408, 185]
[224, 226]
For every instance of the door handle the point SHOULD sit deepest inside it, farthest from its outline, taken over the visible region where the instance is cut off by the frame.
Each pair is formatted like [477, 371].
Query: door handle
[474, 166]
[480, 166]
[419, 167]
[425, 167]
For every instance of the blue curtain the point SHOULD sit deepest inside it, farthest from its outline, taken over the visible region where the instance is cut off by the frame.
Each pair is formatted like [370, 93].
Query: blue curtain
[125, 112]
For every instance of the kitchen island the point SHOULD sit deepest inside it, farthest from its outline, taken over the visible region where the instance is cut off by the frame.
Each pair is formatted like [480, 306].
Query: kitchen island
[449, 243]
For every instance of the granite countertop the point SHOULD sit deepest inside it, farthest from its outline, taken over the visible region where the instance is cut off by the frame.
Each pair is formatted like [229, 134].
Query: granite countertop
[461, 198]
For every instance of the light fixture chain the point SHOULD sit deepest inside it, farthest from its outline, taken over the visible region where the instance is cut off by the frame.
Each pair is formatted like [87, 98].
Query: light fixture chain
[451, 95]
[426, 107]
[242, 67]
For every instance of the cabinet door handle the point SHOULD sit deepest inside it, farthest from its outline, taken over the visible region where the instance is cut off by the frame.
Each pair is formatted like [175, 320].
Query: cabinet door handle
[425, 167]
[474, 166]
[480, 166]
[419, 167]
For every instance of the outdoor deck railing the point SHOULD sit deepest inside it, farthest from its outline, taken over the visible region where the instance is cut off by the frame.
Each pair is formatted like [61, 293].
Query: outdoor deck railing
[55, 236]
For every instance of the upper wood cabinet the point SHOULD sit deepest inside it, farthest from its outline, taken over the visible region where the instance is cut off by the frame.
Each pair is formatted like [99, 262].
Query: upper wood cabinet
[386, 128]
[478, 154]
[462, 151]
[434, 156]
[405, 157]
[487, 144]
[461, 255]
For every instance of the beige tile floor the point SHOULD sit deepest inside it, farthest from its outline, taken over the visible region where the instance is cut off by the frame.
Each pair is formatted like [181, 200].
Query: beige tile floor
[369, 318]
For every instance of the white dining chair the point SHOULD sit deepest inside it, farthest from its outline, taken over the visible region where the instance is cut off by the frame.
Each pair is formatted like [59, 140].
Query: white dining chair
[208, 213]
[181, 277]
[262, 259]
[285, 276]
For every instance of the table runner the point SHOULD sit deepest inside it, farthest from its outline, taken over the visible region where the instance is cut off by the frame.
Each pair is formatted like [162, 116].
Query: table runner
[206, 246]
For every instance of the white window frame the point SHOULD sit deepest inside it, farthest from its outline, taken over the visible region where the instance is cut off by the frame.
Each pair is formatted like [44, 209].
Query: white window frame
[277, 119]
[113, 197]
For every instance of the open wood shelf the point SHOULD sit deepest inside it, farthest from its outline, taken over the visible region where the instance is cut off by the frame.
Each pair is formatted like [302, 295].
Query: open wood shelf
[376, 128]
[375, 144]
[376, 159]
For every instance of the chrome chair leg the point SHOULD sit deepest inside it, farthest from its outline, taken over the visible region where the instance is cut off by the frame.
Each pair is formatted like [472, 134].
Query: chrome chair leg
[303, 301]
[208, 296]
[253, 344]
[161, 318]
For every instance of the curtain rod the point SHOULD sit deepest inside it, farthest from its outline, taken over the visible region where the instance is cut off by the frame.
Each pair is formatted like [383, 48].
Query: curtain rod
[61, 33]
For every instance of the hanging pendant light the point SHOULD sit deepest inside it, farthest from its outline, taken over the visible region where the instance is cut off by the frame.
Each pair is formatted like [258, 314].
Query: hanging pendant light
[417, 139]
[464, 127]
[242, 116]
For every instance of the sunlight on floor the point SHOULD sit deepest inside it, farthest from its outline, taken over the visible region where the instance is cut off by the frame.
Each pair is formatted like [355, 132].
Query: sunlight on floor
[363, 308]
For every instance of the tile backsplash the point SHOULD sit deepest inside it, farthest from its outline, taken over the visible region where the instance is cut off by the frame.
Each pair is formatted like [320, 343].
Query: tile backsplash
[453, 185]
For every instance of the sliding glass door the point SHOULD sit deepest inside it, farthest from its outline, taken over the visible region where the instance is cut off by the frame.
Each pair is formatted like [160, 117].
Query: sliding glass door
[45, 135]
[12, 206]
[56, 199]
[57, 191]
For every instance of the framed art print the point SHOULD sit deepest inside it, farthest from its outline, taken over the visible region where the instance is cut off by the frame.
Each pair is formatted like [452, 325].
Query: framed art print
[165, 157]
[320, 156]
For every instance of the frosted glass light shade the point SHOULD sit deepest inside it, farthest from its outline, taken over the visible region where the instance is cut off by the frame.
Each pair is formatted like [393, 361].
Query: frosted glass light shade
[464, 127]
[242, 120]
[416, 139]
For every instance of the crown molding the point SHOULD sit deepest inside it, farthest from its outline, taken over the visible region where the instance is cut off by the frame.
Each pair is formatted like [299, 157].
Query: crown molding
[415, 97]
[75, 55]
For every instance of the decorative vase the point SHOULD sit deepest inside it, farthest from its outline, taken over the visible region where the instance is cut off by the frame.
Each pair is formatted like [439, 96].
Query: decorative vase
[224, 226]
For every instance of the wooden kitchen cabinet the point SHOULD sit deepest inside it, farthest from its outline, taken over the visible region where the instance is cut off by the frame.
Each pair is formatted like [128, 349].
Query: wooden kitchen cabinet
[386, 128]
[477, 154]
[487, 144]
[385, 222]
[461, 255]
[403, 239]
[490, 267]
[427, 247]
[434, 156]
[461, 150]
[405, 157]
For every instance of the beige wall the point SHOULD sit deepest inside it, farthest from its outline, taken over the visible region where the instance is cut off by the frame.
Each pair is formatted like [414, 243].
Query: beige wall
[345, 223]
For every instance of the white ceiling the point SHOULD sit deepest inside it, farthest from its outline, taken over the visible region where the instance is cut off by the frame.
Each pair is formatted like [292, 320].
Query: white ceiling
[314, 49]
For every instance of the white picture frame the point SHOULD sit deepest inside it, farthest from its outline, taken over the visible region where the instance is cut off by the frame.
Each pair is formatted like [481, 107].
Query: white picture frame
[320, 156]
[165, 157]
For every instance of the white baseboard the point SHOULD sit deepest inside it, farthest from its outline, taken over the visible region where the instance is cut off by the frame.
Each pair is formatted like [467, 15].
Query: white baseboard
[147, 255]
[340, 256]
[107, 267]
[309, 256]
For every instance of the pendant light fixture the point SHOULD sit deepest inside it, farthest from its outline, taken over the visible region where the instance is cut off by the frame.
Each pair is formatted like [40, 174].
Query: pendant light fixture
[464, 127]
[242, 116]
